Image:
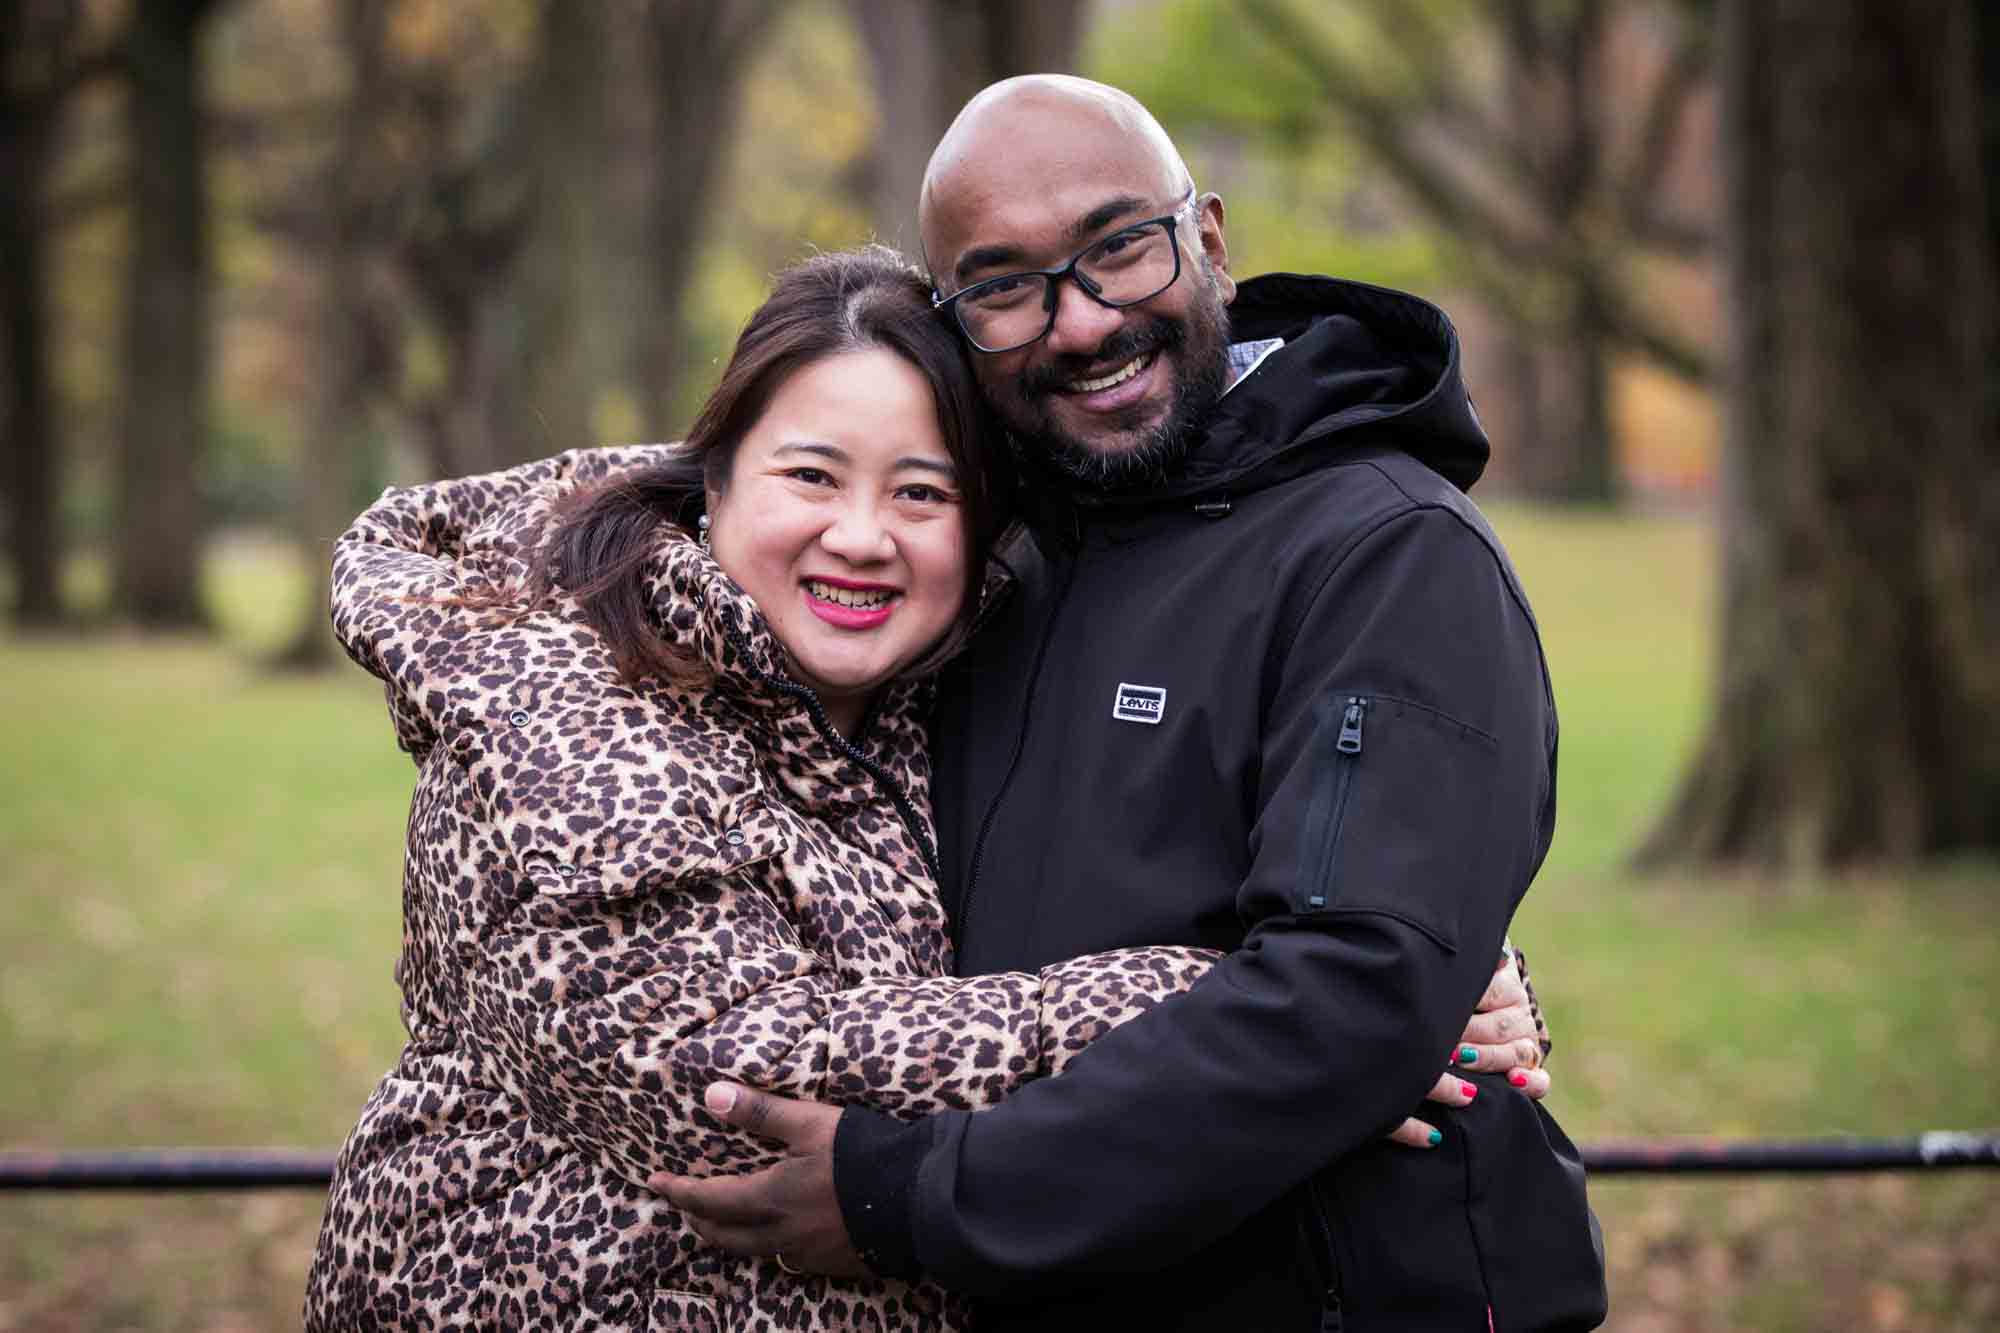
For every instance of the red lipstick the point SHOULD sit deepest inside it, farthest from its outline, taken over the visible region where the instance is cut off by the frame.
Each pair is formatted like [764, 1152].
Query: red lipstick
[850, 617]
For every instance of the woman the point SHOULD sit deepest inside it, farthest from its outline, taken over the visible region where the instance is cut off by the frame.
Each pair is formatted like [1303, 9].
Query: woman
[672, 824]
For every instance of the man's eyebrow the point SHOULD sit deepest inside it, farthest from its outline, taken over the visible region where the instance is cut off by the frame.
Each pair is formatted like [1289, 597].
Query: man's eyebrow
[1096, 220]
[985, 256]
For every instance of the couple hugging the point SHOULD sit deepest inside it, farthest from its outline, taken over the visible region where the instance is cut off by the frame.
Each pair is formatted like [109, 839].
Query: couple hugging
[1002, 827]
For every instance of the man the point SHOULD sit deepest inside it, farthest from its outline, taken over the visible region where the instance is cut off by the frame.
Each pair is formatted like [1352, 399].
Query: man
[1268, 684]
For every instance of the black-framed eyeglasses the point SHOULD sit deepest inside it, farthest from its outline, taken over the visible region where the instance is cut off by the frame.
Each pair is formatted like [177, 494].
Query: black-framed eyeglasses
[1131, 265]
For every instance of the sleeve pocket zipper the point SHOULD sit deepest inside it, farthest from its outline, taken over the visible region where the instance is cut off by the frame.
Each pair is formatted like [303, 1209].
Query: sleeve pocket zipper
[1347, 756]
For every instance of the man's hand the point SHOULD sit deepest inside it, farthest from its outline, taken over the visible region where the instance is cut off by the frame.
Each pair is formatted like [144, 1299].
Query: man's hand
[788, 1211]
[1501, 1038]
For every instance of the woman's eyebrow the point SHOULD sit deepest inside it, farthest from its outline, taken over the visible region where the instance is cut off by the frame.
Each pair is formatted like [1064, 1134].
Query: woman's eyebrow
[815, 448]
[835, 453]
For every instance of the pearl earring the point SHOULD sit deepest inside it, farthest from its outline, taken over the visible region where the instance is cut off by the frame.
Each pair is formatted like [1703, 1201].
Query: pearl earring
[701, 525]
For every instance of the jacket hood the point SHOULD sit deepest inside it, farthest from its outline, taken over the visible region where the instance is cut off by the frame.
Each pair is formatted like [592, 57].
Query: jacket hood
[1362, 366]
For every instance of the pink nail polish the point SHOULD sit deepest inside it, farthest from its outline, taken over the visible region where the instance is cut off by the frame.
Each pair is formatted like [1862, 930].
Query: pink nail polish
[1518, 1078]
[1470, 1090]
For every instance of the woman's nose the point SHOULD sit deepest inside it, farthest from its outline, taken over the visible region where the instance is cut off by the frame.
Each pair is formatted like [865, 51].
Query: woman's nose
[857, 534]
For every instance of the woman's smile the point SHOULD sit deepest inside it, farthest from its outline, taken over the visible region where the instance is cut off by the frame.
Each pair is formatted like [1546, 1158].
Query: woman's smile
[851, 605]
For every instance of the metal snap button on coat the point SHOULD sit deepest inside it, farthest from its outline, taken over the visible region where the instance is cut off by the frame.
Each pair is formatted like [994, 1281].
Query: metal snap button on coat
[736, 837]
[566, 871]
[519, 717]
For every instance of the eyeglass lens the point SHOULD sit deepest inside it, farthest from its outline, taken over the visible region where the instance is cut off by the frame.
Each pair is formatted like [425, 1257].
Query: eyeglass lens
[1124, 268]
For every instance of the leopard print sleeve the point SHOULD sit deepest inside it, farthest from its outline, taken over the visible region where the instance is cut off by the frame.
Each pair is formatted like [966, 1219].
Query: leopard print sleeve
[397, 567]
[607, 1020]
[1548, 1043]
[961, 1043]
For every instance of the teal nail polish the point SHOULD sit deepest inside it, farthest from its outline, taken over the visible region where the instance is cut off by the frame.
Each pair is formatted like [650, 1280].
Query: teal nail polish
[1437, 1137]
[1468, 1056]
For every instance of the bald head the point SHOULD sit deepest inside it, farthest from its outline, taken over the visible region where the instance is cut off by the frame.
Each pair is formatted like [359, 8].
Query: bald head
[1033, 135]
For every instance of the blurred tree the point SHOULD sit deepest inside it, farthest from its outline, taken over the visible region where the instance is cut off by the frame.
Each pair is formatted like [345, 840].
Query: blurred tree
[1989, 102]
[167, 329]
[40, 65]
[351, 363]
[560, 316]
[1857, 694]
[696, 55]
[1497, 122]
[554, 210]
[928, 59]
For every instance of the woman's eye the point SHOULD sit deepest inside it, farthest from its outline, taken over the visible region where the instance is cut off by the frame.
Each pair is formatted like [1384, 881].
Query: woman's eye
[923, 494]
[811, 476]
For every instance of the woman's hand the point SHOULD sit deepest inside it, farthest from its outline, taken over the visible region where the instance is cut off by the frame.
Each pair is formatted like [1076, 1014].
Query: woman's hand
[1501, 1038]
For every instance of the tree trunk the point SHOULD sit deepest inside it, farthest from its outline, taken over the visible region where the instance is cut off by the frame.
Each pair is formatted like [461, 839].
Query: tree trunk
[27, 401]
[1857, 708]
[341, 378]
[929, 59]
[1569, 458]
[1555, 99]
[696, 56]
[166, 322]
[561, 341]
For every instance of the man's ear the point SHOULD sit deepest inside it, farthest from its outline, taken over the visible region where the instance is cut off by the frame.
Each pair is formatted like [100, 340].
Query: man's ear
[1208, 223]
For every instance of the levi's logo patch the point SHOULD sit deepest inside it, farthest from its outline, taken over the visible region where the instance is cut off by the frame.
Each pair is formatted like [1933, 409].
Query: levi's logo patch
[1139, 703]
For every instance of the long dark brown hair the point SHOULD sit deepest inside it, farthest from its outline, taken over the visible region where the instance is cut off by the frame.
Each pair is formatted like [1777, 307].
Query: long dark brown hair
[849, 301]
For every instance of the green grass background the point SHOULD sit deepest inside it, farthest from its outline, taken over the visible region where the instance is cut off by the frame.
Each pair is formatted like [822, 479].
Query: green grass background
[198, 895]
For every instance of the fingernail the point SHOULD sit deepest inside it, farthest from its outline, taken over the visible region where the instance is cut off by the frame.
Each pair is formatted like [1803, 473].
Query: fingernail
[1437, 1137]
[720, 1098]
[1519, 1078]
[1468, 1056]
[1470, 1090]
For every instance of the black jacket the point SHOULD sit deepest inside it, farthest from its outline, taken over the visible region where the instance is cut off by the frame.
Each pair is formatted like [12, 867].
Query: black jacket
[1291, 705]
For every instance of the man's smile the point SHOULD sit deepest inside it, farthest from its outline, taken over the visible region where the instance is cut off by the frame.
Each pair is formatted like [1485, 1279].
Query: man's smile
[1118, 376]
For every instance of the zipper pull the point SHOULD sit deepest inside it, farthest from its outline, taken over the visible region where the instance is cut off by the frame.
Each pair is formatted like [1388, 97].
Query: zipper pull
[1350, 726]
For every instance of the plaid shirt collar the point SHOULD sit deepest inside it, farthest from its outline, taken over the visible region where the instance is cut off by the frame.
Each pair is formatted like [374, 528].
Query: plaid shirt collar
[1246, 357]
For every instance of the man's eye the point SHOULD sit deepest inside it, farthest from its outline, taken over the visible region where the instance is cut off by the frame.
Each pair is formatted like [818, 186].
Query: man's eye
[1121, 246]
[1002, 293]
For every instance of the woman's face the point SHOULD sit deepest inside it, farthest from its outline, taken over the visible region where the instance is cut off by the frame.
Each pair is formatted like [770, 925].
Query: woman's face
[842, 521]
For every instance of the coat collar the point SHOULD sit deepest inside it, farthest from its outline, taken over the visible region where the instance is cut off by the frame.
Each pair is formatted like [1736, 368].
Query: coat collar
[702, 610]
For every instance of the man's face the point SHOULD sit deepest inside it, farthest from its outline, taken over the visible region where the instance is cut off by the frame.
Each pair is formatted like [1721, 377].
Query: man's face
[1110, 395]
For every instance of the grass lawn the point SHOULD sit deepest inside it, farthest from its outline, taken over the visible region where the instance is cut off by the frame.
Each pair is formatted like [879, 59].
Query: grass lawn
[198, 894]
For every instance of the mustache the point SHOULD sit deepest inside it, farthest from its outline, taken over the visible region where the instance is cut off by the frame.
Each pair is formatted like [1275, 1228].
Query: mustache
[1120, 347]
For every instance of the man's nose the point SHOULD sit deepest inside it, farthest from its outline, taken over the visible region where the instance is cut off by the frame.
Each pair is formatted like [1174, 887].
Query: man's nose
[857, 533]
[1082, 324]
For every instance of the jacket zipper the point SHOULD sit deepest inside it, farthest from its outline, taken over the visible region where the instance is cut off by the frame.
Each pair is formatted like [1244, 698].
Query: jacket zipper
[1014, 760]
[1347, 751]
[1330, 1266]
[905, 811]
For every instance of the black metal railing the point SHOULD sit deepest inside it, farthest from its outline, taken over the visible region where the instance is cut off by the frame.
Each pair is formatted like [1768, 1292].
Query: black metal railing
[167, 1169]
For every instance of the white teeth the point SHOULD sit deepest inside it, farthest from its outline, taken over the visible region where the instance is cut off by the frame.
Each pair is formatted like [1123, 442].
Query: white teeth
[1118, 376]
[869, 600]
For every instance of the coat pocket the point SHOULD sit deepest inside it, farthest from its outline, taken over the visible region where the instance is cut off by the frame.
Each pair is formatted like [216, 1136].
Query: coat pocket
[1401, 803]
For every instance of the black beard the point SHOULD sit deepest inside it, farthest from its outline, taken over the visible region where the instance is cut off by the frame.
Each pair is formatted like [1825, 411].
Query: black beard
[1154, 457]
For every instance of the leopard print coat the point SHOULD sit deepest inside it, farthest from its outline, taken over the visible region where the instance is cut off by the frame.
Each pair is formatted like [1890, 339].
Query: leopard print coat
[613, 896]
